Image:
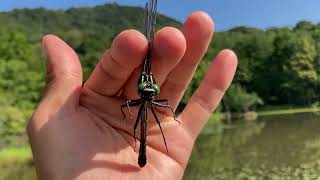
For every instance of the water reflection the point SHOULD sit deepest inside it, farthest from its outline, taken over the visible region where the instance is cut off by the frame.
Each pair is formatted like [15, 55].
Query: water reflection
[273, 147]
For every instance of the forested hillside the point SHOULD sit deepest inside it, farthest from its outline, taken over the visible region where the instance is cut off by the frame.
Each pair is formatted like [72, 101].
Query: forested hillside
[278, 66]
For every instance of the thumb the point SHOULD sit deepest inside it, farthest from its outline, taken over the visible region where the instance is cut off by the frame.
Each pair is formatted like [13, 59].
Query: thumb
[63, 85]
[61, 96]
[64, 73]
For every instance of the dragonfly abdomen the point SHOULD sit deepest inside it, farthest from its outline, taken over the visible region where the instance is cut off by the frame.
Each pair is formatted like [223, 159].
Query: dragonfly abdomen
[142, 159]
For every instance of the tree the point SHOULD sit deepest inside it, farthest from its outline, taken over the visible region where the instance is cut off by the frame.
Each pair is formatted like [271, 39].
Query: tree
[239, 100]
[300, 70]
[14, 45]
[304, 26]
[17, 68]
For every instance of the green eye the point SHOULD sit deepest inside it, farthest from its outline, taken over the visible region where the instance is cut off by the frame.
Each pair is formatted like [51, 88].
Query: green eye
[141, 87]
[156, 89]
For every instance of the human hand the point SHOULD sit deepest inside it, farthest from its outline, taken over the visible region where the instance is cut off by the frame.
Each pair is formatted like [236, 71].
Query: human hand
[78, 132]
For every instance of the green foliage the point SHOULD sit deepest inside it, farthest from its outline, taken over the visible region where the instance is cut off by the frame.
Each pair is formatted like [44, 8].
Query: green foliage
[294, 80]
[18, 74]
[301, 69]
[20, 86]
[239, 100]
[14, 45]
[281, 65]
[12, 125]
[19, 80]
[304, 26]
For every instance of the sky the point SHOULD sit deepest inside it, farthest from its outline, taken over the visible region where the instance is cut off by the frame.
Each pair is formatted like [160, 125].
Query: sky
[226, 13]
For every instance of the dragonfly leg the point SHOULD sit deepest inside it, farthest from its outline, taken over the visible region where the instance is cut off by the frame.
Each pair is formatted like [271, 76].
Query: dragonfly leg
[165, 105]
[162, 100]
[128, 104]
[157, 120]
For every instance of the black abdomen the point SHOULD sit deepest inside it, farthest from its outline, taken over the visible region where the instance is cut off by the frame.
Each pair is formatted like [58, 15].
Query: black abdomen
[142, 159]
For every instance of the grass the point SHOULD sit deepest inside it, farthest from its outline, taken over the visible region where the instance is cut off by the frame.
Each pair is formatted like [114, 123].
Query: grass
[10, 154]
[216, 116]
[272, 110]
[288, 111]
[16, 164]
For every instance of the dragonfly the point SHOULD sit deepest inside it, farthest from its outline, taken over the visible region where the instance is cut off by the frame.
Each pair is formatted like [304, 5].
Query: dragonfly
[147, 89]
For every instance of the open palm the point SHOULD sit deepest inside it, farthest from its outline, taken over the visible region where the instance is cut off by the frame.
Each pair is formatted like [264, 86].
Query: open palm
[78, 132]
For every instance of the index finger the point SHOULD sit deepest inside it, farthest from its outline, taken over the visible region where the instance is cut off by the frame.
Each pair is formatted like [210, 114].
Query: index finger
[117, 64]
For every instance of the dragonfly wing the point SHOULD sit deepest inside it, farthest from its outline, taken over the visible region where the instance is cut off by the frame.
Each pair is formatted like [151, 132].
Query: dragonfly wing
[150, 19]
[150, 26]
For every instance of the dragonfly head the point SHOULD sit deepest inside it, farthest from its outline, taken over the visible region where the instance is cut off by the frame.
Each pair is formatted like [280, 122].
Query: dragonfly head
[148, 89]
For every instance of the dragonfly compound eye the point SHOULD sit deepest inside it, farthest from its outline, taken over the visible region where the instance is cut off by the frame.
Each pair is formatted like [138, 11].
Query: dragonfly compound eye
[141, 87]
[156, 89]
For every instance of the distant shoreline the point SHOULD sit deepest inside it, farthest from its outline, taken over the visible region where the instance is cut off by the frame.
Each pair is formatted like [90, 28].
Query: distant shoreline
[288, 111]
[278, 111]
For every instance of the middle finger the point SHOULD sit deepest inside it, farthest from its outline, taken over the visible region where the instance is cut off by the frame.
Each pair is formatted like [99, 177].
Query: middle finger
[169, 48]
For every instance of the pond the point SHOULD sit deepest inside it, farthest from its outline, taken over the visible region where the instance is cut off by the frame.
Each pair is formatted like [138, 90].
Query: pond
[272, 147]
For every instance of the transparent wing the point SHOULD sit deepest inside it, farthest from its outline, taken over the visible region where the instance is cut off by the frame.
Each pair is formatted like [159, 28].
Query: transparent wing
[150, 25]
[150, 19]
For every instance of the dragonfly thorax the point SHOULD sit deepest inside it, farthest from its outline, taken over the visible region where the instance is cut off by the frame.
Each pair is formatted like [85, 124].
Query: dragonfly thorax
[147, 88]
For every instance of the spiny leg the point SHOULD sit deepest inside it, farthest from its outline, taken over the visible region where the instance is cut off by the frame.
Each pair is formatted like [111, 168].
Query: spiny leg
[166, 105]
[136, 125]
[128, 104]
[157, 120]
[162, 100]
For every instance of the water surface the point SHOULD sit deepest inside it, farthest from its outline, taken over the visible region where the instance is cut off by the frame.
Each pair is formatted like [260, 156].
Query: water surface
[273, 147]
